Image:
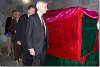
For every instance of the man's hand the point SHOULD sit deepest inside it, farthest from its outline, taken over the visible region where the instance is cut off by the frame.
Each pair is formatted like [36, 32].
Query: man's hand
[18, 42]
[32, 51]
[15, 31]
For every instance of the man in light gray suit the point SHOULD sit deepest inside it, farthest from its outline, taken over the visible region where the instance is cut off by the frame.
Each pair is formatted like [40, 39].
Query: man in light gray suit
[37, 34]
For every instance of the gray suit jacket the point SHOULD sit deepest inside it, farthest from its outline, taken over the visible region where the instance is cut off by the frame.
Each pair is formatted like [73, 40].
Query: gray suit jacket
[36, 35]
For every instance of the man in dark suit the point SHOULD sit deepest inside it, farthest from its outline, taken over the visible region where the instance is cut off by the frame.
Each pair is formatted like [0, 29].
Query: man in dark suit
[21, 35]
[10, 30]
[9, 21]
[37, 34]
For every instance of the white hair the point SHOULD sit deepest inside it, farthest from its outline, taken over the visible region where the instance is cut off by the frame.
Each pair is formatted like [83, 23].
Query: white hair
[40, 3]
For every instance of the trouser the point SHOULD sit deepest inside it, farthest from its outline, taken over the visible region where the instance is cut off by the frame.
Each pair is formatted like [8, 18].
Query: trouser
[16, 48]
[29, 60]
[38, 60]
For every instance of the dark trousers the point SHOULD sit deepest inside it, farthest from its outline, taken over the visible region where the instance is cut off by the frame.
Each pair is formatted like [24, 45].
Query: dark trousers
[29, 60]
[17, 49]
[26, 58]
[38, 60]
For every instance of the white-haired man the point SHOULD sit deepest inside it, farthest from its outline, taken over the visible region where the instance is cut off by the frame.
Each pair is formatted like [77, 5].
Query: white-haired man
[37, 34]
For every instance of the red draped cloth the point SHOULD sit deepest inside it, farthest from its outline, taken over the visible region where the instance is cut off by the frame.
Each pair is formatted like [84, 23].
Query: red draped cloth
[65, 32]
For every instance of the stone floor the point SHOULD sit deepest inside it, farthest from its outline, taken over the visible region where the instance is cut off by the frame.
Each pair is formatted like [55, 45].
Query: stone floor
[7, 60]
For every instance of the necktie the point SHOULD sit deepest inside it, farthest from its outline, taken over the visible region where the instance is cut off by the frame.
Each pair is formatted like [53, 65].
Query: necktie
[43, 24]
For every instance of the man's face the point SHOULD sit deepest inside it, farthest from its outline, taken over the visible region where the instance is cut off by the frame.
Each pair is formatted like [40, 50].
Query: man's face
[43, 8]
[18, 14]
[31, 11]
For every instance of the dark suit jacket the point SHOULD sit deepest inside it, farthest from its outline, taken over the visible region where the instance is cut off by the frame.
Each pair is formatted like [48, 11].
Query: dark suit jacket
[21, 30]
[36, 35]
[12, 26]
[8, 22]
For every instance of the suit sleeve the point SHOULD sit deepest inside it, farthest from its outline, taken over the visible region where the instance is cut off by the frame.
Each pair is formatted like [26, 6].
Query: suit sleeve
[7, 25]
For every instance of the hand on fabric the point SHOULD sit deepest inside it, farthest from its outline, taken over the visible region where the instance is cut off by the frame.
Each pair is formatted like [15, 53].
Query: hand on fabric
[32, 51]
[18, 42]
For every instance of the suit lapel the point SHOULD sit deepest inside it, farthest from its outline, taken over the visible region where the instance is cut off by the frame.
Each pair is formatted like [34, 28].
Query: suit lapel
[37, 19]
